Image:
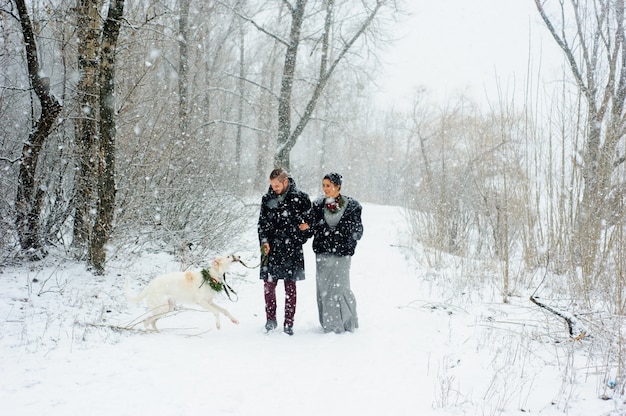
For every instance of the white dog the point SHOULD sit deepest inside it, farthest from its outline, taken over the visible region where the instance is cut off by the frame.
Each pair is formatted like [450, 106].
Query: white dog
[197, 286]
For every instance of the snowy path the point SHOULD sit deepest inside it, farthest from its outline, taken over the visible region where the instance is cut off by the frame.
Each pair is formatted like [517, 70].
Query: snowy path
[240, 370]
[405, 359]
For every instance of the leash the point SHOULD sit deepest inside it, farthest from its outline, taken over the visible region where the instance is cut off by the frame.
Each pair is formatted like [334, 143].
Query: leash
[246, 266]
[229, 290]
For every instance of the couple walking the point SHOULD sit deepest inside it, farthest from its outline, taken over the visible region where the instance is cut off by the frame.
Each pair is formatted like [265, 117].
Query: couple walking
[286, 221]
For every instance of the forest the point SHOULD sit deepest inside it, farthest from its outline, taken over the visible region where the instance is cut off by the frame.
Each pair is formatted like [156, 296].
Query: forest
[155, 124]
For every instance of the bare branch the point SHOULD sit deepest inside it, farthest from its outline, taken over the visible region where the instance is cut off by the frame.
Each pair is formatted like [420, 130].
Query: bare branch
[564, 47]
[576, 330]
[11, 161]
[256, 25]
[232, 123]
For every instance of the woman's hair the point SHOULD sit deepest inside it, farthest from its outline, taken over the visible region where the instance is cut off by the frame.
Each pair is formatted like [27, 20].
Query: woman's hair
[334, 177]
[279, 173]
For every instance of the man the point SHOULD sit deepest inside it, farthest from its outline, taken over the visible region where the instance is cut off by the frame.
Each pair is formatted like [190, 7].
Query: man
[282, 233]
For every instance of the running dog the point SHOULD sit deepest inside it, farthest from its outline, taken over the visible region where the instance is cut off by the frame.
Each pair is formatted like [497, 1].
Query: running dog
[197, 286]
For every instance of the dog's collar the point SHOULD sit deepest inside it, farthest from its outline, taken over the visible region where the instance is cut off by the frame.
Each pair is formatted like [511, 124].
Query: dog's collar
[212, 281]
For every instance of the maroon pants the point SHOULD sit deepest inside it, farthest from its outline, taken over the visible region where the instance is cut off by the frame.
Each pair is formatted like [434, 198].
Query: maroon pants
[270, 300]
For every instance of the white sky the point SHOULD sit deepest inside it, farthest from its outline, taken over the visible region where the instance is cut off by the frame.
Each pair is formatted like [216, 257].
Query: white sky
[450, 46]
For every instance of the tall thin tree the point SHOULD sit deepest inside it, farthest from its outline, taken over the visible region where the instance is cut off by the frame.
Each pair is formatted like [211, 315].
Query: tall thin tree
[183, 68]
[108, 130]
[89, 28]
[288, 135]
[29, 195]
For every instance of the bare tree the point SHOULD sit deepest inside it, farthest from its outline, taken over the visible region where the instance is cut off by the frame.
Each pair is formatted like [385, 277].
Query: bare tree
[29, 196]
[106, 152]
[330, 51]
[162, 181]
[595, 50]
[86, 130]
[241, 101]
[183, 68]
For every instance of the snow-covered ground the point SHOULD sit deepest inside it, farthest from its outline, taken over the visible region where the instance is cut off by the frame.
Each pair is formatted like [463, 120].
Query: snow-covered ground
[423, 347]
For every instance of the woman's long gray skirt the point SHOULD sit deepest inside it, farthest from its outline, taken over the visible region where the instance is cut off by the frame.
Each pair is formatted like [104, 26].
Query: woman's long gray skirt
[336, 303]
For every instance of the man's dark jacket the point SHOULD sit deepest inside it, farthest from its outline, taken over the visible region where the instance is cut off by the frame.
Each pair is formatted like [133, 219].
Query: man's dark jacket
[279, 221]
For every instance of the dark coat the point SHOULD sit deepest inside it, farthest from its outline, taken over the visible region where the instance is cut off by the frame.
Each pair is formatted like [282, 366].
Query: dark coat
[278, 225]
[341, 240]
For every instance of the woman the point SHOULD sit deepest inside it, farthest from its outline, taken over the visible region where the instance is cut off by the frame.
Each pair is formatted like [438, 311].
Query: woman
[336, 223]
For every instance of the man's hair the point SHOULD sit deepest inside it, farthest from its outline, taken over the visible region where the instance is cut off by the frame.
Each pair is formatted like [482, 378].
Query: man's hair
[279, 173]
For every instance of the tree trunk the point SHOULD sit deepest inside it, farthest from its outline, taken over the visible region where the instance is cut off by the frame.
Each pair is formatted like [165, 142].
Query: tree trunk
[28, 200]
[240, 103]
[183, 69]
[286, 87]
[286, 137]
[86, 126]
[106, 167]
[264, 157]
